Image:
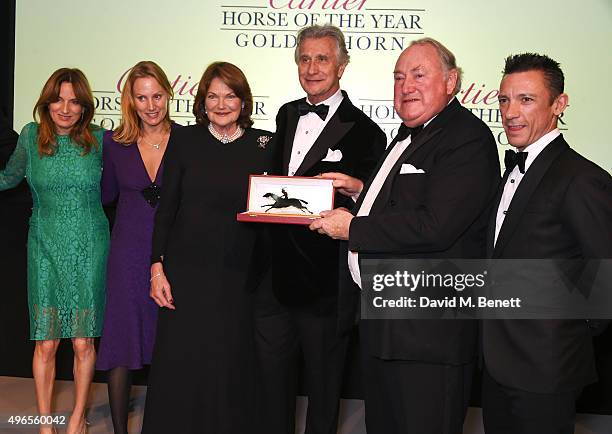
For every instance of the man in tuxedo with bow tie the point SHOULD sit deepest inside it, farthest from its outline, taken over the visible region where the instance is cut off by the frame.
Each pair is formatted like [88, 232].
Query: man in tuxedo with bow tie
[323, 132]
[552, 204]
[428, 199]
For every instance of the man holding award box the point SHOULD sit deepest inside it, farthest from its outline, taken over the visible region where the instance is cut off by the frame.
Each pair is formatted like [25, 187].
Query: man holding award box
[297, 312]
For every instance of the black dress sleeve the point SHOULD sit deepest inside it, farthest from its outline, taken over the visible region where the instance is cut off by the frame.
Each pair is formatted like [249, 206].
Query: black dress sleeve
[170, 195]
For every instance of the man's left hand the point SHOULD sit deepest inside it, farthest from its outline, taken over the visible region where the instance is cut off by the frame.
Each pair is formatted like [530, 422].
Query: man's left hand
[334, 223]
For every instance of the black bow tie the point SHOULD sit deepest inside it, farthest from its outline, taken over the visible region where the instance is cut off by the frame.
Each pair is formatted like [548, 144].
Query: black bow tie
[321, 110]
[512, 159]
[405, 131]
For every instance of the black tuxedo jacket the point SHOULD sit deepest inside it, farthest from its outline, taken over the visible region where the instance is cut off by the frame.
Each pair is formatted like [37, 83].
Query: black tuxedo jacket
[305, 263]
[562, 209]
[441, 213]
[8, 140]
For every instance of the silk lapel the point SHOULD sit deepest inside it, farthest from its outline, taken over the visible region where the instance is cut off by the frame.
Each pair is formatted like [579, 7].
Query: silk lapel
[291, 126]
[428, 132]
[419, 141]
[525, 190]
[332, 133]
[367, 185]
[493, 216]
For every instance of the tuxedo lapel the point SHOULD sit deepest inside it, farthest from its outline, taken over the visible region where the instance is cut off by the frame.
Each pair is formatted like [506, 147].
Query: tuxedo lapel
[292, 121]
[419, 141]
[429, 132]
[332, 133]
[415, 144]
[493, 216]
[368, 183]
[525, 190]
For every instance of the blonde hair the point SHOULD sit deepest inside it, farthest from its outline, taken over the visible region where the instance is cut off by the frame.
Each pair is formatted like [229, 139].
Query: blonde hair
[129, 129]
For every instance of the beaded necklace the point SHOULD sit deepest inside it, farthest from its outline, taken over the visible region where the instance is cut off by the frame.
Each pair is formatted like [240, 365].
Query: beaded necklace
[224, 138]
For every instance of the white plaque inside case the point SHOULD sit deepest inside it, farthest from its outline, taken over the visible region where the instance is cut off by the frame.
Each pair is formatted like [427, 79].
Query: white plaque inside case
[287, 199]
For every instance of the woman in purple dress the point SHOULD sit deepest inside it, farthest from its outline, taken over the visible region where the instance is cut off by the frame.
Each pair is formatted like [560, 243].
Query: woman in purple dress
[133, 165]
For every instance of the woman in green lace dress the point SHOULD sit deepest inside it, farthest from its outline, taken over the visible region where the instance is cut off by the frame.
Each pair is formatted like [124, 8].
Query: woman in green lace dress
[68, 238]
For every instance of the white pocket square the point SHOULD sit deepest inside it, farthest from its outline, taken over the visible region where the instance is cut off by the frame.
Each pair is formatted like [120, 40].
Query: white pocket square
[333, 156]
[409, 168]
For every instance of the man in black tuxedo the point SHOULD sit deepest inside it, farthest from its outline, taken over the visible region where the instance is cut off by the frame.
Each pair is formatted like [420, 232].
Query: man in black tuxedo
[21, 194]
[323, 132]
[552, 204]
[428, 199]
[15, 206]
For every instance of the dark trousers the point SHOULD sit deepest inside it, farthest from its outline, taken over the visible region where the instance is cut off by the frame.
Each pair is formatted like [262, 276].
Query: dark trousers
[414, 397]
[512, 411]
[283, 336]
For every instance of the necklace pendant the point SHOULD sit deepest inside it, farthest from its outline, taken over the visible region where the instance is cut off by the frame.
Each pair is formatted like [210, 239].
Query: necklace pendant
[156, 145]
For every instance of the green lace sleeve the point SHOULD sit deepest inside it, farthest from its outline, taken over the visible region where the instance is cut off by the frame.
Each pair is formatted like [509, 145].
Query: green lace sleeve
[15, 169]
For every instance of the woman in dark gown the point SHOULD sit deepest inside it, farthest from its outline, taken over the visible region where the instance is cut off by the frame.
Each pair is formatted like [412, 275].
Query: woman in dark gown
[133, 168]
[203, 371]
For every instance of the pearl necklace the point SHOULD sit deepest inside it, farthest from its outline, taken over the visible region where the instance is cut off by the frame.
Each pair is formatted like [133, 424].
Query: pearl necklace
[224, 138]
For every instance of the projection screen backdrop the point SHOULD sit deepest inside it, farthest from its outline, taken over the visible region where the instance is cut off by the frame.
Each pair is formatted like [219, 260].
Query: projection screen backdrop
[105, 38]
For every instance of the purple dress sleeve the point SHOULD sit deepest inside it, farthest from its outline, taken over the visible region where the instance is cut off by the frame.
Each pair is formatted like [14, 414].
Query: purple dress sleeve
[110, 186]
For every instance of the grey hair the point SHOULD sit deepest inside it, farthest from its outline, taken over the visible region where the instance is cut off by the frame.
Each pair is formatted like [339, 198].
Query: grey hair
[317, 32]
[447, 58]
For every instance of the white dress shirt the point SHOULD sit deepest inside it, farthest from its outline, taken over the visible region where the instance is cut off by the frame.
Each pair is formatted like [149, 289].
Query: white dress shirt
[515, 177]
[308, 129]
